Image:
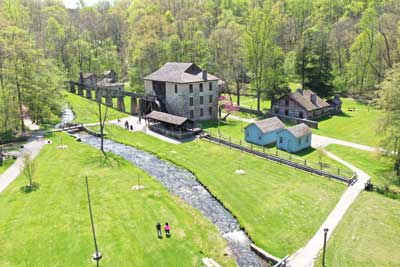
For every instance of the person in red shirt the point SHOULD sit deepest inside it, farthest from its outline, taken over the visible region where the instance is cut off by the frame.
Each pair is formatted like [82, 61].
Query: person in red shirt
[167, 229]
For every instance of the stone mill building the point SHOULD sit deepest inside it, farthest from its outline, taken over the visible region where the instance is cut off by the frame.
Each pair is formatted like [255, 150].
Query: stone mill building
[183, 89]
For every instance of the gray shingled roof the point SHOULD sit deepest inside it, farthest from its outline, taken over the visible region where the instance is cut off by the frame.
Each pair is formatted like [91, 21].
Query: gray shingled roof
[108, 82]
[336, 100]
[167, 118]
[303, 98]
[299, 130]
[269, 125]
[178, 73]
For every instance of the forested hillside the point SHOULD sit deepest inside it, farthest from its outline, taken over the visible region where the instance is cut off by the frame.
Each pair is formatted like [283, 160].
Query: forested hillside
[329, 46]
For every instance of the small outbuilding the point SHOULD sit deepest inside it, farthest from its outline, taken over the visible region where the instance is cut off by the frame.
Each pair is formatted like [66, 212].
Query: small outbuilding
[171, 125]
[295, 138]
[336, 104]
[263, 132]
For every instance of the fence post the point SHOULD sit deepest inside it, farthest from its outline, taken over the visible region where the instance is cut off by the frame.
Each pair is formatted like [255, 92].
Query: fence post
[338, 171]
[276, 152]
[264, 150]
[251, 146]
[305, 162]
[320, 166]
[290, 157]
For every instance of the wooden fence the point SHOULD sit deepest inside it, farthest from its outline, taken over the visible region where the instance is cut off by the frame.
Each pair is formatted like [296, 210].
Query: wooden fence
[321, 169]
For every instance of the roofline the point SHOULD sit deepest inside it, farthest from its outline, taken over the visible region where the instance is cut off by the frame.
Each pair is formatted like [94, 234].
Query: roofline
[210, 80]
[290, 94]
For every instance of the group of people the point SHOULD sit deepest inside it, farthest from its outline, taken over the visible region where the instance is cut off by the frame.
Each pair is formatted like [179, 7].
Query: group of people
[167, 229]
[130, 127]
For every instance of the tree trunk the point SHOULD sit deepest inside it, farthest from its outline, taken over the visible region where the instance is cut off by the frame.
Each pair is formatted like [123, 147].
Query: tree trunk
[238, 93]
[21, 112]
[258, 99]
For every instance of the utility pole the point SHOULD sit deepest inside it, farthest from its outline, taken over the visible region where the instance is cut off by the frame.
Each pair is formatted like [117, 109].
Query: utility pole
[97, 255]
[323, 253]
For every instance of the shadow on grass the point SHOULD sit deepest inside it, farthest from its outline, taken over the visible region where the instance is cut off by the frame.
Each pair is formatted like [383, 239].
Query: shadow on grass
[107, 159]
[305, 152]
[30, 188]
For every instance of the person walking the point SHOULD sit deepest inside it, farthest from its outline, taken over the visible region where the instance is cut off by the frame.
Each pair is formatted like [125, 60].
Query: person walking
[167, 229]
[126, 125]
[158, 227]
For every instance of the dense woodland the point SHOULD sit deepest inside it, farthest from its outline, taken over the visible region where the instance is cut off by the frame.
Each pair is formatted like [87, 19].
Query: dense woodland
[257, 46]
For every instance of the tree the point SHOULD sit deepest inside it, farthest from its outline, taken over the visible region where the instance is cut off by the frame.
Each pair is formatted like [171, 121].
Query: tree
[258, 40]
[314, 62]
[389, 101]
[226, 47]
[29, 168]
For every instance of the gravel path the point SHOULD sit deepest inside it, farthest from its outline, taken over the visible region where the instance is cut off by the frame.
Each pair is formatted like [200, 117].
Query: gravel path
[182, 183]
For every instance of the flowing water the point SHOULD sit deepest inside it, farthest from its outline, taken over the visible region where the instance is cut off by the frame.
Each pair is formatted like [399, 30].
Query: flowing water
[183, 184]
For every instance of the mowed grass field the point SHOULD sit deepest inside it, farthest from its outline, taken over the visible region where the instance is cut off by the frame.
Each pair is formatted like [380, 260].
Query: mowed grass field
[51, 226]
[7, 163]
[86, 110]
[233, 130]
[358, 126]
[276, 204]
[378, 166]
[368, 235]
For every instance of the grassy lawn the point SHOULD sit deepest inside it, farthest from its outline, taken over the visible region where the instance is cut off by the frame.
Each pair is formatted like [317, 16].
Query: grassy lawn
[274, 203]
[86, 110]
[7, 163]
[233, 129]
[368, 235]
[51, 226]
[251, 102]
[357, 126]
[379, 167]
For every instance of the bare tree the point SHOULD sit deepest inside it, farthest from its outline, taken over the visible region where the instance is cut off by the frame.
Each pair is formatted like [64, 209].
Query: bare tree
[29, 168]
[320, 153]
[102, 117]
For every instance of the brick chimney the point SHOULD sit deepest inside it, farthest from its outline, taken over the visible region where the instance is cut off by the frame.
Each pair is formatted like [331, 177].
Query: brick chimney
[204, 72]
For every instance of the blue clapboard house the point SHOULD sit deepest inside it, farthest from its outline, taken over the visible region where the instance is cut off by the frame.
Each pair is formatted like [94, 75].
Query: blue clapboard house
[263, 132]
[295, 138]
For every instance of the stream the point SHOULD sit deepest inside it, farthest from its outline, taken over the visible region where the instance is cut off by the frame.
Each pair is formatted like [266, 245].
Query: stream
[184, 184]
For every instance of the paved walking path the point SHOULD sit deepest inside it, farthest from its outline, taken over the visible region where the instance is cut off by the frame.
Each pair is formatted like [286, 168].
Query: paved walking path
[323, 141]
[306, 256]
[33, 147]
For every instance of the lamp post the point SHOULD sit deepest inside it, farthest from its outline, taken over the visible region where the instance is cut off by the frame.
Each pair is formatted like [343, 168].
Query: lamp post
[97, 255]
[323, 252]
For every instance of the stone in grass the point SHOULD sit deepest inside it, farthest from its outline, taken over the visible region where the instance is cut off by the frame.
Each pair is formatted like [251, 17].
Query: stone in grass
[210, 262]
[137, 187]
[62, 147]
[240, 172]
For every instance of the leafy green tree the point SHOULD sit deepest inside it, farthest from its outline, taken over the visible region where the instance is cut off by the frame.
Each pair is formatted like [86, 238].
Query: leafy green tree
[314, 62]
[389, 100]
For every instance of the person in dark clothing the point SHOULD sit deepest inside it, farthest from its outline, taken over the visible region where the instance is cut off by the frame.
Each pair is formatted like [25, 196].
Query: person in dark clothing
[126, 125]
[167, 229]
[158, 227]
[131, 127]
